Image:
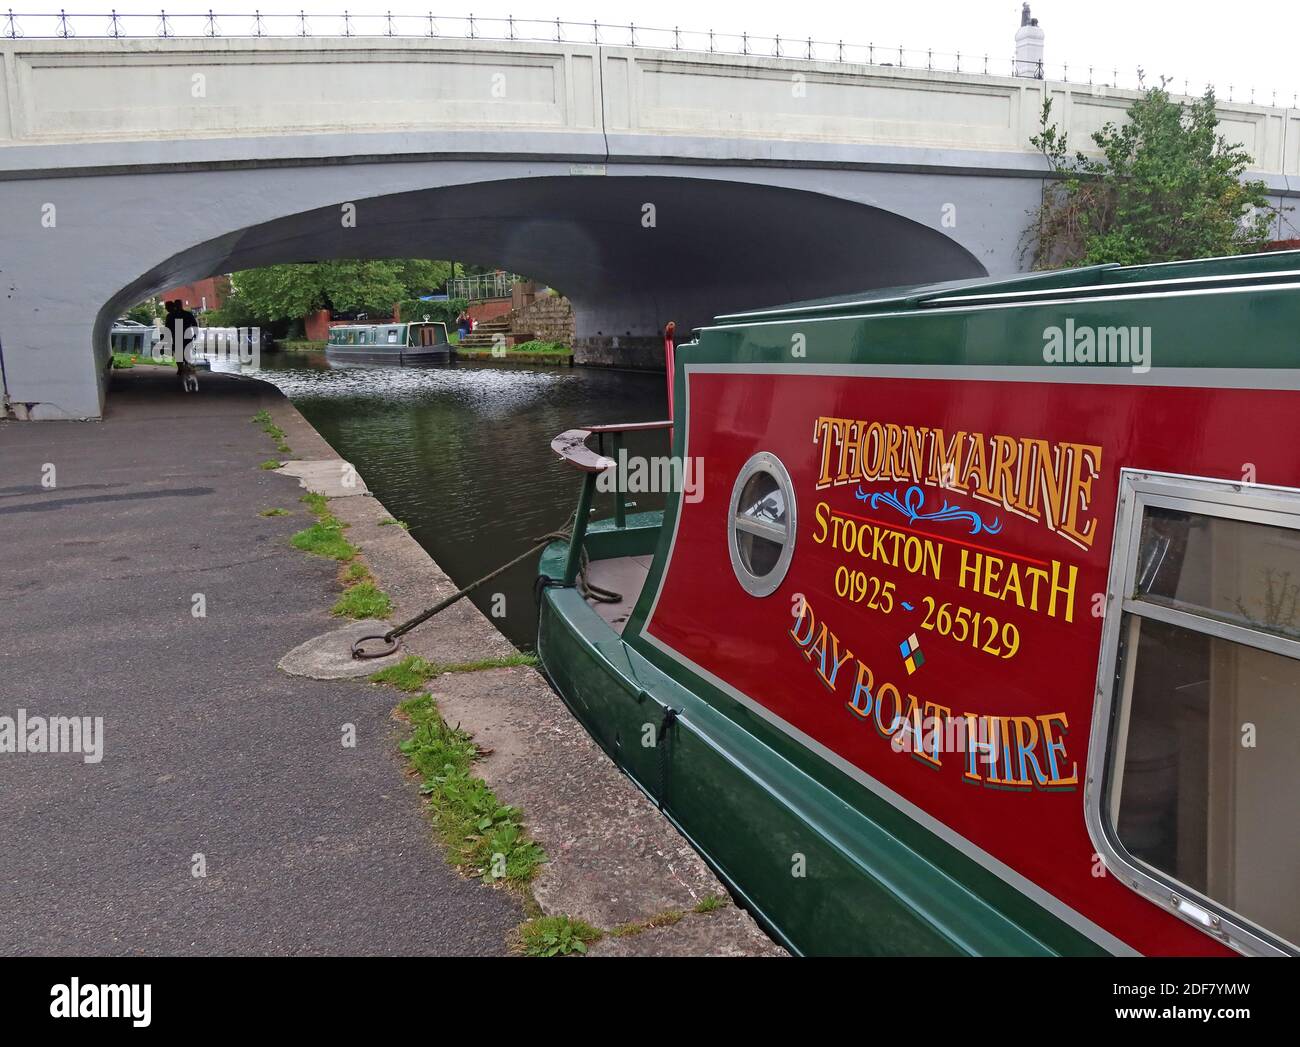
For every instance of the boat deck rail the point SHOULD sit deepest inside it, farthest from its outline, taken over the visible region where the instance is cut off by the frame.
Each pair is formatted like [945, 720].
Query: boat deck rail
[571, 446]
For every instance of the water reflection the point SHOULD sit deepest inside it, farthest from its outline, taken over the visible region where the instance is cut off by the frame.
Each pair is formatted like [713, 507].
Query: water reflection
[461, 452]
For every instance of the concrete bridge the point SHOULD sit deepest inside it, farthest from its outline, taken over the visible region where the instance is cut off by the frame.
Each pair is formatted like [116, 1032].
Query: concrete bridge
[646, 184]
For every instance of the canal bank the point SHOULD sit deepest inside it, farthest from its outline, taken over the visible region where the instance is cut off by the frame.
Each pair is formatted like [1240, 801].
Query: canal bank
[461, 453]
[215, 758]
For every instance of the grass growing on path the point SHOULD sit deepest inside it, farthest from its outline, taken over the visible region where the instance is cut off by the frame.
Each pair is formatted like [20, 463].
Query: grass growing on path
[355, 572]
[274, 512]
[263, 418]
[363, 600]
[324, 539]
[125, 361]
[537, 346]
[663, 919]
[410, 674]
[318, 505]
[413, 672]
[325, 536]
[484, 837]
[557, 936]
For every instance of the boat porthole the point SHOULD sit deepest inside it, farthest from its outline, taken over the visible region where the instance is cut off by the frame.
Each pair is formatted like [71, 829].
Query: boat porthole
[761, 524]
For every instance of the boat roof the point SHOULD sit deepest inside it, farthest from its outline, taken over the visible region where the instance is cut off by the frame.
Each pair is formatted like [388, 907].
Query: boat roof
[386, 323]
[1058, 285]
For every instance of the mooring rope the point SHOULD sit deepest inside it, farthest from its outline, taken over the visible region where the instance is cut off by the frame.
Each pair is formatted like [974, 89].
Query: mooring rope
[588, 590]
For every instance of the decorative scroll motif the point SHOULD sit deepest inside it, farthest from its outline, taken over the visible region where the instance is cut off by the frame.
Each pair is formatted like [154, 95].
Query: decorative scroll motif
[913, 501]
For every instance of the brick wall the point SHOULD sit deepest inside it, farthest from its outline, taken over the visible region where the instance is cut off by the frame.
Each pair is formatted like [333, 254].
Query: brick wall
[316, 326]
[547, 319]
[202, 294]
[489, 310]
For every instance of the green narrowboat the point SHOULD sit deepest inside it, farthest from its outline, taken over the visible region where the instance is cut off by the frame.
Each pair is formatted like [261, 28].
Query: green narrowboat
[398, 343]
[971, 624]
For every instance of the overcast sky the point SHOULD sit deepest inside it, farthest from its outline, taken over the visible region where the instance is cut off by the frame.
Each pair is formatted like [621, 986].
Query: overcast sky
[1249, 43]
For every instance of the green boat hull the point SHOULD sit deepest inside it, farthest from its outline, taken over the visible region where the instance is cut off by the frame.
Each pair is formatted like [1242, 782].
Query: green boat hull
[827, 867]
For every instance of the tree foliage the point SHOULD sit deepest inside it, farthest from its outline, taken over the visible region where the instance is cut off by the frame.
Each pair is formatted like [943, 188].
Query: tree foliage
[1167, 186]
[412, 309]
[144, 312]
[234, 311]
[288, 292]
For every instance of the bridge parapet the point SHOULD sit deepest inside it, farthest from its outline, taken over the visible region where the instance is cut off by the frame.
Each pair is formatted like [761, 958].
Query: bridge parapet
[89, 103]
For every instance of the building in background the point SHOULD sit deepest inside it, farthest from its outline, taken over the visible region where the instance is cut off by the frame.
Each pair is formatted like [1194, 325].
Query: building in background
[202, 295]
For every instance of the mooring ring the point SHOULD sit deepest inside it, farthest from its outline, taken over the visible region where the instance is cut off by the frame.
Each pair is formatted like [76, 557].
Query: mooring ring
[390, 642]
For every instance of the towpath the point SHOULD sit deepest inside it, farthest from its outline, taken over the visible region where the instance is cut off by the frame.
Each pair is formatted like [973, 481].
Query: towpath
[308, 846]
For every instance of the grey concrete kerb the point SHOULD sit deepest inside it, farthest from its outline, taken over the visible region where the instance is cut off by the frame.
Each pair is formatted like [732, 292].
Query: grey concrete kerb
[332, 477]
[329, 656]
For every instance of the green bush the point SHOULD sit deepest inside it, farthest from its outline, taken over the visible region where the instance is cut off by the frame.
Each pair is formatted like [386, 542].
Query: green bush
[412, 310]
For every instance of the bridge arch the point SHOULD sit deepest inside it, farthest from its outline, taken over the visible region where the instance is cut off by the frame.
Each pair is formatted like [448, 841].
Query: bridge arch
[631, 252]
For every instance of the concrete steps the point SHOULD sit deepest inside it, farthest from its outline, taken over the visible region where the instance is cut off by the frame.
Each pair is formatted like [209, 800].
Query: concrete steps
[484, 336]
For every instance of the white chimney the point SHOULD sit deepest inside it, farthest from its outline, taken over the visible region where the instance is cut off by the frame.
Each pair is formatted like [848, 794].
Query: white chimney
[1029, 46]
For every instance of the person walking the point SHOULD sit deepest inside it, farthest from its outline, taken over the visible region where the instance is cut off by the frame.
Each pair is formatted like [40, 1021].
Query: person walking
[181, 326]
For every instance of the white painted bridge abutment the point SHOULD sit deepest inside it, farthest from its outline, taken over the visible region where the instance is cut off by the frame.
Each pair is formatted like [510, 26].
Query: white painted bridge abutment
[647, 185]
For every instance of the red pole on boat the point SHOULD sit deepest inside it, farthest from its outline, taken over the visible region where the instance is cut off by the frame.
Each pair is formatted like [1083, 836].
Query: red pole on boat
[669, 332]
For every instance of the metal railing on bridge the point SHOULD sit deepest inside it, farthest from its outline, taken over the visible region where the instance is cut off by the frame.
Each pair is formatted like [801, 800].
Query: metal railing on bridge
[477, 288]
[113, 24]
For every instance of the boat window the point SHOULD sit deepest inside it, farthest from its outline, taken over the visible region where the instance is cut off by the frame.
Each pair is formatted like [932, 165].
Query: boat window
[761, 524]
[392, 336]
[1176, 573]
[1196, 744]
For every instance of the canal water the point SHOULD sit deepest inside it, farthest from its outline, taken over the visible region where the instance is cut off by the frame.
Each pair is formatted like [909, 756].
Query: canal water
[462, 453]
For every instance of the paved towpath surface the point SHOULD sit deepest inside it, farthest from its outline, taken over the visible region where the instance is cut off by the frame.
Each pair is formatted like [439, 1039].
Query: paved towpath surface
[310, 846]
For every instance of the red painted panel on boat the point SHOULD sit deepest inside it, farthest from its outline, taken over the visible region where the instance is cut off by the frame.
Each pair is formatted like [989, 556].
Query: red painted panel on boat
[1033, 578]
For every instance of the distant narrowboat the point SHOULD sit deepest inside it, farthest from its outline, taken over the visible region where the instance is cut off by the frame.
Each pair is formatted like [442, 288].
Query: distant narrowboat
[972, 622]
[389, 343]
